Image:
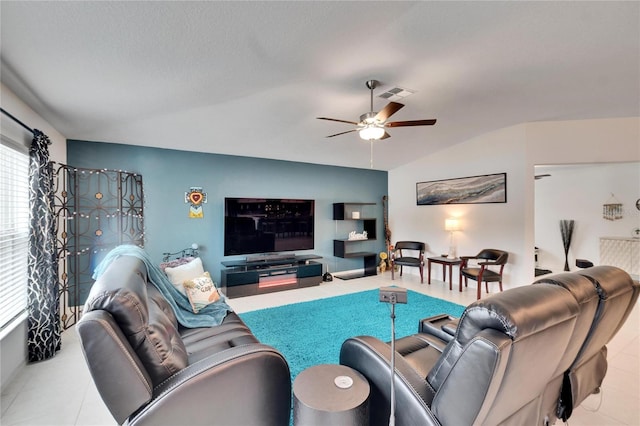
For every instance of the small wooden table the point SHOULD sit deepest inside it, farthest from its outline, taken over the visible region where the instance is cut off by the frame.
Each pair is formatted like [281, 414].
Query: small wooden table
[330, 394]
[444, 261]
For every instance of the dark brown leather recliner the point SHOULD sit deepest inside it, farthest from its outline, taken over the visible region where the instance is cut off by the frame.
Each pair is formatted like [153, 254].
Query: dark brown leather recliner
[615, 295]
[151, 371]
[492, 372]
[408, 253]
[490, 267]
[606, 295]
[552, 336]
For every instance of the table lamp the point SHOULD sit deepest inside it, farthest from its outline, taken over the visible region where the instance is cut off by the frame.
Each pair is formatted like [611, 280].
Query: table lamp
[451, 225]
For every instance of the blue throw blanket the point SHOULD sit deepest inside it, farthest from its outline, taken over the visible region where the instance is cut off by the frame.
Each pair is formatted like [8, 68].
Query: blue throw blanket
[208, 316]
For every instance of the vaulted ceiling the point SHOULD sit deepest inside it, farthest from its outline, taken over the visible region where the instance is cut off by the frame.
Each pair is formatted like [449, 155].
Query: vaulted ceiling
[250, 78]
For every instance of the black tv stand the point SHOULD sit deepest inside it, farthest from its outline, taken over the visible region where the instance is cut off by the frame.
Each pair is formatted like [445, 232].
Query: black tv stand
[281, 272]
[269, 257]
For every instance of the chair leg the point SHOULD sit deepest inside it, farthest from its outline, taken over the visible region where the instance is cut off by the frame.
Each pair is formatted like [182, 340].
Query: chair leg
[400, 270]
[500, 283]
[421, 275]
[486, 286]
[479, 292]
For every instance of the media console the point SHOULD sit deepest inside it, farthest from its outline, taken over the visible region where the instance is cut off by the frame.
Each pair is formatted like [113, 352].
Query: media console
[258, 275]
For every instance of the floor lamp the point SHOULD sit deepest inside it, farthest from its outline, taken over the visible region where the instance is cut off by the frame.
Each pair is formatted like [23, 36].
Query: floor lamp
[393, 295]
[451, 225]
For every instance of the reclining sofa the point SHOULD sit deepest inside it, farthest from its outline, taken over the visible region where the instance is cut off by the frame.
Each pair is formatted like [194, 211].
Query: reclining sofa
[149, 370]
[525, 356]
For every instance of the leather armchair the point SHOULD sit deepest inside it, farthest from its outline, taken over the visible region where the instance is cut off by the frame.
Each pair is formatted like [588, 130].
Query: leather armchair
[485, 272]
[408, 253]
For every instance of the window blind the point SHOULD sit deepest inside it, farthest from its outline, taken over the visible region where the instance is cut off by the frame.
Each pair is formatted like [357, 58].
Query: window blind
[14, 230]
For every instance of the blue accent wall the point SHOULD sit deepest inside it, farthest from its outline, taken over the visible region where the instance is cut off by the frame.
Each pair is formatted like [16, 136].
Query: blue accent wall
[168, 174]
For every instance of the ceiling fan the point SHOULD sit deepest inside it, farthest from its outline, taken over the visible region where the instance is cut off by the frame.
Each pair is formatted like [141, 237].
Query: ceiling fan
[372, 124]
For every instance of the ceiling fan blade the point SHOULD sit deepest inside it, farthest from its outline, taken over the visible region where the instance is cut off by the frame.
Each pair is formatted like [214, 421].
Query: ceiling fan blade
[388, 111]
[340, 121]
[341, 133]
[411, 123]
[385, 136]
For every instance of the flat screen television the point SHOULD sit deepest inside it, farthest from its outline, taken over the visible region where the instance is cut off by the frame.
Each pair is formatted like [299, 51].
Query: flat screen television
[267, 225]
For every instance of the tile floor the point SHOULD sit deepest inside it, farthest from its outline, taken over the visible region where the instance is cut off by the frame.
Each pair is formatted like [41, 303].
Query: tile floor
[60, 391]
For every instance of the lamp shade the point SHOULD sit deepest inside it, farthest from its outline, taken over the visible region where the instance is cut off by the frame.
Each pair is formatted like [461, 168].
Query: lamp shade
[451, 225]
[371, 132]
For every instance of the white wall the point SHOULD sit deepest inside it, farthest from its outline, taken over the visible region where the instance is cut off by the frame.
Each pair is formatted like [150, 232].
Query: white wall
[610, 140]
[12, 104]
[13, 346]
[587, 187]
[583, 141]
[515, 150]
[499, 226]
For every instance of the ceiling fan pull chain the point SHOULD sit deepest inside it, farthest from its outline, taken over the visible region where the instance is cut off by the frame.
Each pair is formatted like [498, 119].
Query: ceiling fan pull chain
[371, 153]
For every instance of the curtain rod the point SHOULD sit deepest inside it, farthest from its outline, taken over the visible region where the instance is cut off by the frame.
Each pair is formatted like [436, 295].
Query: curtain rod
[17, 121]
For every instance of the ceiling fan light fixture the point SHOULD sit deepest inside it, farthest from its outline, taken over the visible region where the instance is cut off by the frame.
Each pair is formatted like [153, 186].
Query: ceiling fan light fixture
[371, 126]
[371, 132]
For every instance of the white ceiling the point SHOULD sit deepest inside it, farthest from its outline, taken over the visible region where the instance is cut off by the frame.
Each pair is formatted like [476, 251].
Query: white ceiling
[250, 78]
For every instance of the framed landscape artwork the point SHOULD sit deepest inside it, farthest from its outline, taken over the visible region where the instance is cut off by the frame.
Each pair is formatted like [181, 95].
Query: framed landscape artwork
[467, 190]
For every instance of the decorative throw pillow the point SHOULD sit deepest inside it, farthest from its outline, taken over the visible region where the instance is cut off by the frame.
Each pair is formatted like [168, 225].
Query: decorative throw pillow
[182, 273]
[176, 262]
[201, 292]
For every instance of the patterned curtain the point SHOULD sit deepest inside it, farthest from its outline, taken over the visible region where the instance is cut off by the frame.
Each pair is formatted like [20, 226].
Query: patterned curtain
[43, 340]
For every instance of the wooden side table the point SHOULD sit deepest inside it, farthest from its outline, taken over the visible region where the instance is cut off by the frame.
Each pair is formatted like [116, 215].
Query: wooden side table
[329, 394]
[444, 261]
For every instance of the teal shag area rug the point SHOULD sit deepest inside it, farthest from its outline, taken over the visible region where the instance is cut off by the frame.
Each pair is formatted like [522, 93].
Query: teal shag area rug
[311, 333]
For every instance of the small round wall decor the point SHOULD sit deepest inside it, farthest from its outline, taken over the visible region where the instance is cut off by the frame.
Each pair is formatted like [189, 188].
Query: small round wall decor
[195, 197]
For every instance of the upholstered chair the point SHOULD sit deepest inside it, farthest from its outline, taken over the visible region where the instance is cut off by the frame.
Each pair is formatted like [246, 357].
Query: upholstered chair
[489, 267]
[408, 253]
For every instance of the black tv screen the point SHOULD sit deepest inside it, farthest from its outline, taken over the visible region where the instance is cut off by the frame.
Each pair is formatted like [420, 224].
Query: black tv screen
[267, 225]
